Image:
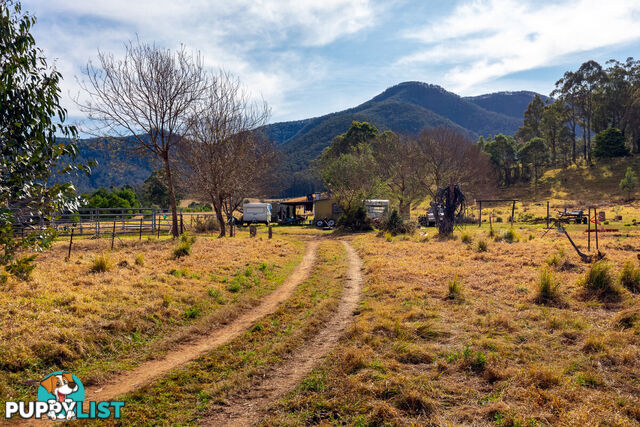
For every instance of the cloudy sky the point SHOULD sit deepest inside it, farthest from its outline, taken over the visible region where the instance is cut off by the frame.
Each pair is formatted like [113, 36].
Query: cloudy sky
[312, 57]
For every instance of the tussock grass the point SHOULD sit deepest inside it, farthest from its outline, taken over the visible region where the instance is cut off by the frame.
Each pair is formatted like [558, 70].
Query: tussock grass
[630, 277]
[101, 263]
[139, 260]
[182, 249]
[510, 236]
[548, 288]
[599, 281]
[455, 289]
[481, 246]
[466, 238]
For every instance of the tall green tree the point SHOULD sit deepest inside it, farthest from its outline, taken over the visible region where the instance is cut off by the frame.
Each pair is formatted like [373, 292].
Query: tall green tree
[589, 77]
[533, 116]
[503, 156]
[567, 93]
[610, 143]
[31, 154]
[348, 168]
[534, 155]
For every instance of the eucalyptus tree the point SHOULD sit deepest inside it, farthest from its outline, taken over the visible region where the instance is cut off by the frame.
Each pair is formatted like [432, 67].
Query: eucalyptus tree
[32, 156]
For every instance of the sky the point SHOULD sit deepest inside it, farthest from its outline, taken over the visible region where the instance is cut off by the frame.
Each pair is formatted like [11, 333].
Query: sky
[312, 57]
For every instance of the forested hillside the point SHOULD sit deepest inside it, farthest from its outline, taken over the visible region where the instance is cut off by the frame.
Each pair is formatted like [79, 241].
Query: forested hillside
[405, 108]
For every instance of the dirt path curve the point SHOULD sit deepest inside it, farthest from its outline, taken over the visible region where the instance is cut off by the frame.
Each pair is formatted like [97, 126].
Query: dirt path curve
[249, 407]
[148, 371]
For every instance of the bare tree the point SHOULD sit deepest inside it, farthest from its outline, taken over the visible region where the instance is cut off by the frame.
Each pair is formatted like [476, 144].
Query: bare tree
[147, 97]
[225, 158]
[452, 158]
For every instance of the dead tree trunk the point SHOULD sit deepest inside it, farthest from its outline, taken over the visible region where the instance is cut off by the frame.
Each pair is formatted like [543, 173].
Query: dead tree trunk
[451, 202]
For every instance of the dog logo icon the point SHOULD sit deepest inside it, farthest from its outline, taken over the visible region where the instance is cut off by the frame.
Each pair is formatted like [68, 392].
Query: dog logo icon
[62, 390]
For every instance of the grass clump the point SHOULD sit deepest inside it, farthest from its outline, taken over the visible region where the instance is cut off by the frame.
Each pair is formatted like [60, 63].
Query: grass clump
[630, 277]
[510, 236]
[192, 312]
[140, 260]
[481, 246]
[101, 264]
[183, 249]
[548, 288]
[466, 238]
[455, 290]
[599, 281]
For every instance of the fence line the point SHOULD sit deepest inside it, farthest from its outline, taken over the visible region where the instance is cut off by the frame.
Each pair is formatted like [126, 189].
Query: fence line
[103, 221]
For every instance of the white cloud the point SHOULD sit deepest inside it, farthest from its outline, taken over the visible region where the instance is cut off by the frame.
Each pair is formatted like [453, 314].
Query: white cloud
[258, 40]
[484, 40]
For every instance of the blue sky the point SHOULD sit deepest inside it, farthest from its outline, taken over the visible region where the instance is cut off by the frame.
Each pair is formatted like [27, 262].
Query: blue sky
[308, 58]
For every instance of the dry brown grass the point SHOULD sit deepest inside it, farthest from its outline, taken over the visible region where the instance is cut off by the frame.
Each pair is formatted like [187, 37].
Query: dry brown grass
[94, 323]
[496, 357]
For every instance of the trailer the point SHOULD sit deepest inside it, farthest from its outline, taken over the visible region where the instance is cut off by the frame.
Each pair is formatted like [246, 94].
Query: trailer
[256, 213]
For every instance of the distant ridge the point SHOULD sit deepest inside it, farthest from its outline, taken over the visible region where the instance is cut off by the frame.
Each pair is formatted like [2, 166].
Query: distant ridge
[407, 107]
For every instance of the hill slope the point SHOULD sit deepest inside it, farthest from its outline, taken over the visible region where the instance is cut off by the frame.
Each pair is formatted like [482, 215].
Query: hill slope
[407, 108]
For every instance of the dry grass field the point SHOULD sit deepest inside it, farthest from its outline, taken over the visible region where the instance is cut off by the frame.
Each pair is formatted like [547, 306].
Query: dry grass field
[494, 326]
[453, 332]
[94, 323]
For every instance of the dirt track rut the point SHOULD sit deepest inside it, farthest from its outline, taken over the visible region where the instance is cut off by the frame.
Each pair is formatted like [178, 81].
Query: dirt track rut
[132, 380]
[249, 407]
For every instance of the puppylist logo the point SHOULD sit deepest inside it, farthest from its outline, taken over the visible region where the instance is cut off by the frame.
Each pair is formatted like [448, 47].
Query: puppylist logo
[61, 397]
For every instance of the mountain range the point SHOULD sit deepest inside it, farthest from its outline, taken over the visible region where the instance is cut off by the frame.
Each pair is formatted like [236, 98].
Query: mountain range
[407, 107]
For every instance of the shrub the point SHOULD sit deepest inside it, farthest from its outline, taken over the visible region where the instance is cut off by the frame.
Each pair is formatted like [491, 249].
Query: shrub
[355, 219]
[599, 281]
[499, 219]
[466, 238]
[188, 238]
[206, 224]
[100, 264]
[183, 249]
[455, 289]
[395, 224]
[630, 277]
[22, 268]
[140, 260]
[481, 246]
[234, 287]
[548, 287]
[192, 312]
[510, 236]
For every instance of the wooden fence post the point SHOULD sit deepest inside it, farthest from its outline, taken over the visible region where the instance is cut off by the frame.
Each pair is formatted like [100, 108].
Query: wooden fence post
[595, 216]
[141, 228]
[70, 243]
[547, 214]
[513, 212]
[252, 230]
[181, 224]
[589, 230]
[113, 234]
[479, 215]
[231, 229]
[270, 231]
